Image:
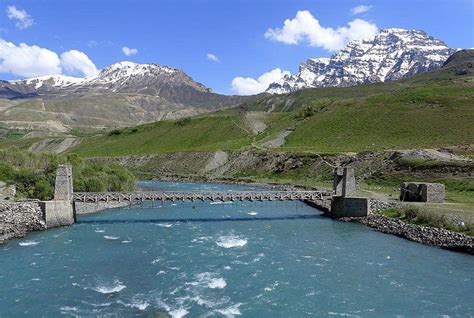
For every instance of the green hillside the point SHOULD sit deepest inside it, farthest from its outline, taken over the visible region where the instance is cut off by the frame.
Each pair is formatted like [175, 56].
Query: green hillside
[202, 133]
[430, 110]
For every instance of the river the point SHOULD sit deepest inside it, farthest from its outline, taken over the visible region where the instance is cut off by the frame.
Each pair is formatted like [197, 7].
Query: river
[203, 259]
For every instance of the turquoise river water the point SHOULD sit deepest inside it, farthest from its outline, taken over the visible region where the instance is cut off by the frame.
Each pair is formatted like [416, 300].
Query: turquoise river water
[249, 259]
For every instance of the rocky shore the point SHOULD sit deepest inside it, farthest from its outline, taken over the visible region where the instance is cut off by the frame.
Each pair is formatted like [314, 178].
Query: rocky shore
[426, 235]
[18, 218]
[432, 236]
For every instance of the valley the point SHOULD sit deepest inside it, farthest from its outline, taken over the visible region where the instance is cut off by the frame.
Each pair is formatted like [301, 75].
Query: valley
[229, 159]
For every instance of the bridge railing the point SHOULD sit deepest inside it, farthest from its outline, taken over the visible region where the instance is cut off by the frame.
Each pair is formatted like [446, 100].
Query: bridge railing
[90, 197]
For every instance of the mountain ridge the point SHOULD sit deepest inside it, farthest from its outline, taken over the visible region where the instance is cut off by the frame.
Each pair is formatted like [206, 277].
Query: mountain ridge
[121, 94]
[392, 54]
[114, 77]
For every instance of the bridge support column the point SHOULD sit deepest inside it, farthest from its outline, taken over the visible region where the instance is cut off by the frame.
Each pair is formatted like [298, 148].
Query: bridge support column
[344, 183]
[60, 210]
[342, 203]
[350, 206]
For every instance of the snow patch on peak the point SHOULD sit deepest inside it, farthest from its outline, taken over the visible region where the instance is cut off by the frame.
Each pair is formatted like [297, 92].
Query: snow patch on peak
[323, 60]
[128, 69]
[397, 30]
[50, 80]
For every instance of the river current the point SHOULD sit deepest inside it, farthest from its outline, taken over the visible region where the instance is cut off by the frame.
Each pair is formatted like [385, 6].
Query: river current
[213, 259]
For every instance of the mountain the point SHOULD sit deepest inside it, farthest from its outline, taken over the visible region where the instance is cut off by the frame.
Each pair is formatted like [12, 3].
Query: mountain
[121, 94]
[429, 110]
[392, 54]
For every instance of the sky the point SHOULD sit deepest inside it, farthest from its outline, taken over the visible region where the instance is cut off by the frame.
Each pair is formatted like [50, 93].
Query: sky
[231, 46]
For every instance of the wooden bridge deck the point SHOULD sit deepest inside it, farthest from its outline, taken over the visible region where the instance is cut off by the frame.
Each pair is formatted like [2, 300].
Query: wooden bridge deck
[91, 197]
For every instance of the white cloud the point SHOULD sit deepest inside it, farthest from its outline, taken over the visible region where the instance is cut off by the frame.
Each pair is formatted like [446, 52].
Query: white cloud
[74, 62]
[23, 19]
[212, 57]
[31, 60]
[250, 86]
[304, 27]
[129, 51]
[360, 9]
[27, 61]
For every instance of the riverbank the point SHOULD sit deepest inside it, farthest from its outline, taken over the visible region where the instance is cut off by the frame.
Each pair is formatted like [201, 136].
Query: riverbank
[236, 181]
[19, 218]
[431, 236]
[378, 174]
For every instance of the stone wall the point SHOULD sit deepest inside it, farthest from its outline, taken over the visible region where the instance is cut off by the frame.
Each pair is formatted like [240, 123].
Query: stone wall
[18, 218]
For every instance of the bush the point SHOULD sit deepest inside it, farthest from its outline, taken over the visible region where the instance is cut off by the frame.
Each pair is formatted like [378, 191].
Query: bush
[409, 212]
[34, 174]
[7, 172]
[183, 121]
[99, 177]
[115, 132]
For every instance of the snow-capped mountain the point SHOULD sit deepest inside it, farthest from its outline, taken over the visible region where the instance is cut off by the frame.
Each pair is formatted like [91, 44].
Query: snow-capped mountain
[121, 94]
[392, 54]
[49, 81]
[119, 77]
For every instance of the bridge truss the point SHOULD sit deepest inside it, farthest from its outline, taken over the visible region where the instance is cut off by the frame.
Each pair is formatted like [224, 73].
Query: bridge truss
[140, 196]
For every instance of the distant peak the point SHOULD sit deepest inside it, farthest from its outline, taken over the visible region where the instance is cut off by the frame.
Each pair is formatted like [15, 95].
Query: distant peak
[393, 53]
[124, 64]
[404, 32]
[394, 30]
[128, 64]
[127, 68]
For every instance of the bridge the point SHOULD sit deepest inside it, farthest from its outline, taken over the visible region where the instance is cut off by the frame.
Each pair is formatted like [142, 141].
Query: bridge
[62, 209]
[140, 196]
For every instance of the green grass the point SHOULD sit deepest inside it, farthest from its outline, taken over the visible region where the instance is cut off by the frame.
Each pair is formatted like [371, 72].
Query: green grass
[401, 120]
[426, 217]
[21, 143]
[202, 133]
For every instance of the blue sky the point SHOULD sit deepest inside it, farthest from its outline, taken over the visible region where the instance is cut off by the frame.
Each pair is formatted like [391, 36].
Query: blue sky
[182, 33]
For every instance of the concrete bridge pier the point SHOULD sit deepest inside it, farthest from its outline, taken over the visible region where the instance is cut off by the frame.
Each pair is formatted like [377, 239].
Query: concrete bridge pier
[60, 210]
[342, 203]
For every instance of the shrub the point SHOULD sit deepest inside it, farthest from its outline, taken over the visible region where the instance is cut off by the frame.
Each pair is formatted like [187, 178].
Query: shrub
[409, 212]
[183, 121]
[34, 174]
[115, 132]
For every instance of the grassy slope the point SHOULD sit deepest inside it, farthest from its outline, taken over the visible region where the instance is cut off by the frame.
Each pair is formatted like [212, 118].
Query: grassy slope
[431, 110]
[427, 116]
[204, 133]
